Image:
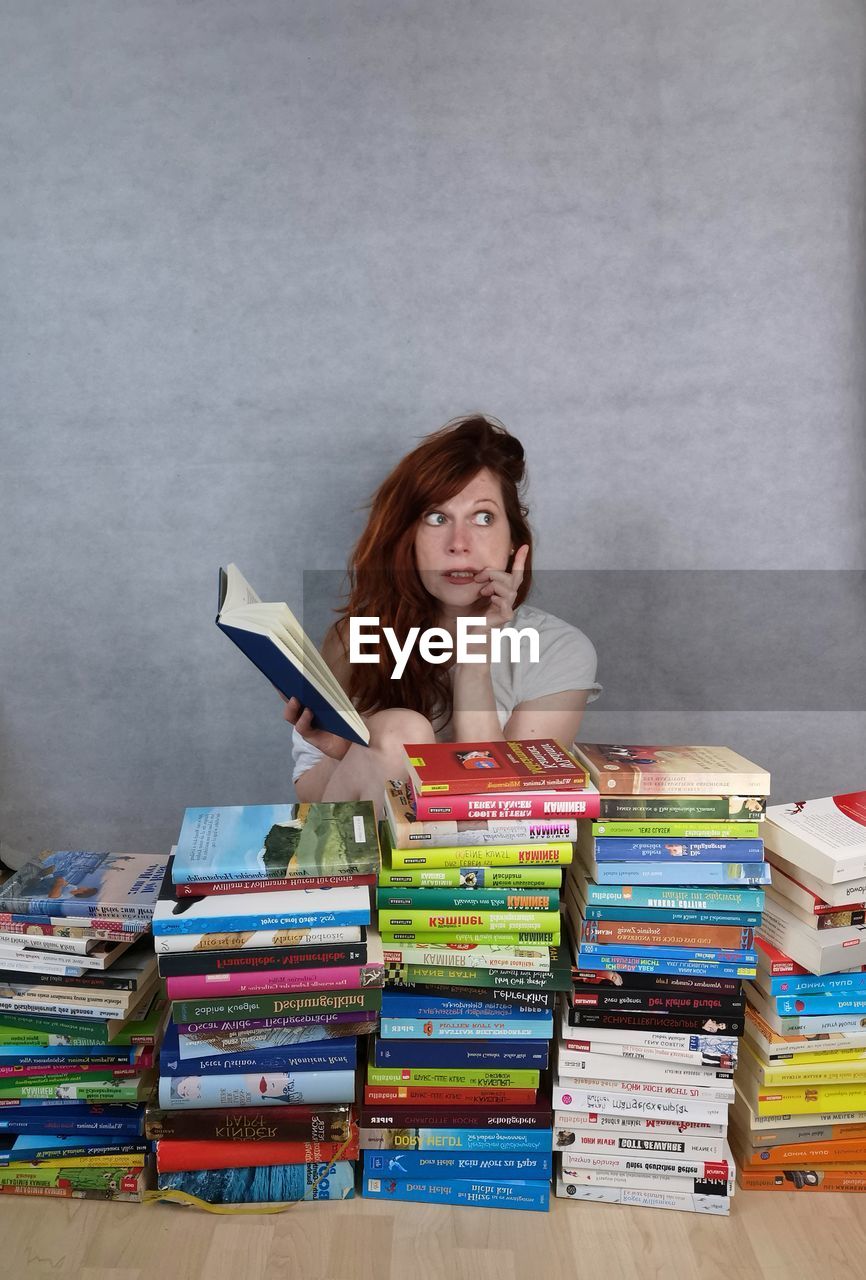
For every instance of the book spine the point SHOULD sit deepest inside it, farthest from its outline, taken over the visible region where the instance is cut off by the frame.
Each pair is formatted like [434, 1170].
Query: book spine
[72, 1151]
[623, 808]
[541, 810]
[455, 1138]
[321, 1025]
[290, 1059]
[256, 1007]
[808, 984]
[516, 1078]
[649, 1181]
[639, 1126]
[671, 873]
[642, 781]
[611, 1103]
[676, 897]
[236, 923]
[502, 1194]
[494, 1056]
[255, 1125]
[463, 1029]
[649, 915]
[625, 963]
[394, 1125]
[436, 1002]
[435, 900]
[192, 987]
[616, 1149]
[615, 849]
[402, 1096]
[54, 1090]
[197, 962]
[557, 854]
[673, 982]
[513, 879]
[800, 1100]
[68, 1124]
[652, 953]
[392, 938]
[684, 1203]
[668, 1002]
[790, 1155]
[809, 1006]
[256, 1090]
[619, 932]
[402, 972]
[598, 1065]
[651, 1021]
[177, 1155]
[435, 1164]
[269, 1184]
[661, 831]
[474, 957]
[723, 1057]
[808, 1180]
[435, 921]
[191, 884]
[65, 1179]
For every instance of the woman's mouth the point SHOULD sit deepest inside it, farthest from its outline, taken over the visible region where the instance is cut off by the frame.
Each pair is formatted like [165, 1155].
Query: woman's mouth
[460, 577]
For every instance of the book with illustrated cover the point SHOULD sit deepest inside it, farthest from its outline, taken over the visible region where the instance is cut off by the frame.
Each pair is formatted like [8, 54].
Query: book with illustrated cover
[267, 1184]
[670, 770]
[80, 883]
[473, 768]
[274, 641]
[278, 841]
[826, 837]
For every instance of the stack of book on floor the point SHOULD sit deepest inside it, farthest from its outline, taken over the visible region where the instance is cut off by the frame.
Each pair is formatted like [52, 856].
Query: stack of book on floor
[799, 1121]
[456, 1104]
[80, 1024]
[271, 983]
[662, 905]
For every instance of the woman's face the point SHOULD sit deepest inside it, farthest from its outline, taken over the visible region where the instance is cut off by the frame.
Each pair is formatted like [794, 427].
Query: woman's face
[460, 537]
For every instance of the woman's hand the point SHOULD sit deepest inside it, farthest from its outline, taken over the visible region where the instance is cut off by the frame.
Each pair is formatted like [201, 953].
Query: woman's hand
[501, 587]
[302, 718]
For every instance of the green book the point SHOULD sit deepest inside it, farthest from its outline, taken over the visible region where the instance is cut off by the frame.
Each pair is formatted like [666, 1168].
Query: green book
[470, 877]
[290, 1005]
[467, 899]
[456, 921]
[679, 830]
[519, 1078]
[134, 1089]
[472, 937]
[401, 976]
[557, 853]
[31, 1030]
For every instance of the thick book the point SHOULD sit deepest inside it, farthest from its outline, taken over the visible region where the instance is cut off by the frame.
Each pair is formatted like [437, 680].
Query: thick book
[471, 877]
[499, 1193]
[672, 873]
[558, 853]
[254, 1089]
[83, 884]
[456, 919]
[477, 768]
[283, 842]
[276, 981]
[658, 1020]
[326, 1123]
[517, 1077]
[260, 1185]
[392, 899]
[30, 1148]
[479, 819]
[404, 973]
[438, 1137]
[619, 932]
[306, 908]
[627, 963]
[808, 903]
[274, 641]
[462, 1054]
[257, 959]
[826, 837]
[665, 1104]
[405, 1096]
[619, 849]
[201, 1044]
[437, 1164]
[338, 1054]
[423, 1003]
[683, 1202]
[175, 1155]
[810, 1178]
[504, 808]
[428, 1029]
[255, 939]
[243, 1009]
[620, 808]
[670, 770]
[821, 952]
[675, 897]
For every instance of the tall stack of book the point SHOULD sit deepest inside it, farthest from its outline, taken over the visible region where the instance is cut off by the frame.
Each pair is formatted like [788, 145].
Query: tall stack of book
[263, 936]
[457, 1104]
[799, 1121]
[662, 904]
[80, 1024]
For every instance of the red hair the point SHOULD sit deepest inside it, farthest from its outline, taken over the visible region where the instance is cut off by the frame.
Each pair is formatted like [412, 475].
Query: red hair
[382, 574]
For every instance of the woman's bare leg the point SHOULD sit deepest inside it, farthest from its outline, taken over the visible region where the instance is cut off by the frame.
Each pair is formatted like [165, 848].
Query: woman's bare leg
[363, 771]
[312, 782]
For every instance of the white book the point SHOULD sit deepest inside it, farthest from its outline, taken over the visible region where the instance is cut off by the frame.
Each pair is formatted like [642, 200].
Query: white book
[252, 939]
[638, 1126]
[826, 837]
[602, 1066]
[718, 1206]
[814, 1024]
[820, 951]
[650, 1143]
[846, 893]
[651, 1046]
[789, 1048]
[585, 1095]
[662, 1177]
[637, 1162]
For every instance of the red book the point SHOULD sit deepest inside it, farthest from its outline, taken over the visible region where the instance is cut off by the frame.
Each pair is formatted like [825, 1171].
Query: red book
[415, 1095]
[205, 888]
[178, 1155]
[479, 768]
[543, 807]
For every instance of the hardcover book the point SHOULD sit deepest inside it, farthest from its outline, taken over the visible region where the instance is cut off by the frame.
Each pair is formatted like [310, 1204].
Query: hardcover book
[81, 883]
[482, 819]
[473, 768]
[671, 770]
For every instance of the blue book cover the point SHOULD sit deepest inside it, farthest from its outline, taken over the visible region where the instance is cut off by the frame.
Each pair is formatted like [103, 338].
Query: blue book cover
[76, 883]
[414, 1139]
[466, 1029]
[277, 841]
[238, 912]
[650, 915]
[443, 1166]
[673, 873]
[265, 1184]
[45, 1146]
[72, 1117]
[397, 1005]
[495, 1195]
[56, 1054]
[328, 1055]
[695, 955]
[466, 1055]
[617, 849]
[682, 897]
[682, 968]
[811, 1006]
[274, 1088]
[809, 983]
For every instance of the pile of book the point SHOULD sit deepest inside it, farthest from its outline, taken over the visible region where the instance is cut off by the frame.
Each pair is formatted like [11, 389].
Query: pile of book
[80, 1024]
[456, 1102]
[799, 1121]
[262, 935]
[662, 904]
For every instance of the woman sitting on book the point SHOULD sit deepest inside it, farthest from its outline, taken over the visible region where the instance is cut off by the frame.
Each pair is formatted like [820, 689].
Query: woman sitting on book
[447, 537]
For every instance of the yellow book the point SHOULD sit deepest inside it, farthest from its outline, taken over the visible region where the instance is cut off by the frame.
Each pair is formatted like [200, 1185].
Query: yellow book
[131, 1161]
[805, 1100]
[555, 854]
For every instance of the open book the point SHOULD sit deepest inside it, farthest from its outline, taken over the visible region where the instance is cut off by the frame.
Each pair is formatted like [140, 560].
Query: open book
[273, 639]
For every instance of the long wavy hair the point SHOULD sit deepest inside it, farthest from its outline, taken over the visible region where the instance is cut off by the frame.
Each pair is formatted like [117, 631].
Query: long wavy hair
[383, 579]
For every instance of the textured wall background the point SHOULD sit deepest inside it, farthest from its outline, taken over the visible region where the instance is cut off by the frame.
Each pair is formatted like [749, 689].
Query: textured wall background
[251, 252]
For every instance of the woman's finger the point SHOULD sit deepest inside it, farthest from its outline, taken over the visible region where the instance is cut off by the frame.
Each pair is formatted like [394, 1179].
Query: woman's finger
[519, 562]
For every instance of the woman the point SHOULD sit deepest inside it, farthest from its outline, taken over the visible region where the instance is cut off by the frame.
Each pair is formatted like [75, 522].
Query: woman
[447, 537]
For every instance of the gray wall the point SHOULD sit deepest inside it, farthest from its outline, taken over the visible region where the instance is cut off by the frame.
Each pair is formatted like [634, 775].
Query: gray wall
[252, 252]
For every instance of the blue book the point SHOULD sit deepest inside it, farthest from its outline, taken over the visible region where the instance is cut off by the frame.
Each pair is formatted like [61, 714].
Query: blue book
[395, 1005]
[46, 1146]
[617, 849]
[466, 1029]
[809, 983]
[467, 1055]
[509, 1140]
[495, 1195]
[682, 897]
[650, 915]
[439, 1165]
[674, 873]
[256, 1089]
[238, 912]
[73, 1117]
[681, 968]
[810, 1006]
[56, 1054]
[327, 1055]
[77, 884]
[696, 955]
[265, 1184]
[294, 842]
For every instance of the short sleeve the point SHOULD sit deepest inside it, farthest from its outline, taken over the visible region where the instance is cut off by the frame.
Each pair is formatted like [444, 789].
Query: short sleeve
[567, 660]
[304, 756]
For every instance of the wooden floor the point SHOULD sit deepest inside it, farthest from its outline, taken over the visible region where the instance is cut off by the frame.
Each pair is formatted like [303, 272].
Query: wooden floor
[774, 1236]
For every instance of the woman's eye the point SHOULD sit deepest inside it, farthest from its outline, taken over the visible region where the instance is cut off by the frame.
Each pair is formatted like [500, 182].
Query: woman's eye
[484, 517]
[434, 518]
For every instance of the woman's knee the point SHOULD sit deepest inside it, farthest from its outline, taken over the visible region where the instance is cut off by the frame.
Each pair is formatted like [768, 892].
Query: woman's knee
[399, 723]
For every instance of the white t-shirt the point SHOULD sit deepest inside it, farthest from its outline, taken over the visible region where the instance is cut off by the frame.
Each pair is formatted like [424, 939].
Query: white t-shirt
[567, 660]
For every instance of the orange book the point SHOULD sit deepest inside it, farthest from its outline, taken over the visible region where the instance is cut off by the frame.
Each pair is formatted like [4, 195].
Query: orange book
[828, 1178]
[811, 1153]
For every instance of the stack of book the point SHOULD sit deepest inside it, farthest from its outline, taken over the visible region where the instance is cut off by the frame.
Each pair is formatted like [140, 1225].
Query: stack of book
[662, 904]
[799, 1121]
[80, 1024]
[456, 1104]
[262, 934]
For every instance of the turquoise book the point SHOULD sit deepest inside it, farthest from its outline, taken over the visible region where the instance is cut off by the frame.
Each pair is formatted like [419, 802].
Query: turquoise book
[293, 842]
[86, 884]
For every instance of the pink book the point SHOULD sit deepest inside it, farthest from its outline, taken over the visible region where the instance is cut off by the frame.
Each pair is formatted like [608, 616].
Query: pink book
[352, 977]
[514, 805]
